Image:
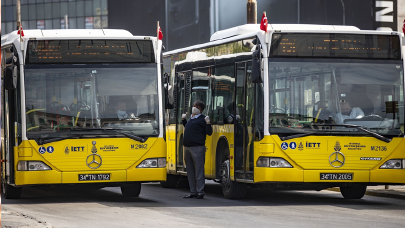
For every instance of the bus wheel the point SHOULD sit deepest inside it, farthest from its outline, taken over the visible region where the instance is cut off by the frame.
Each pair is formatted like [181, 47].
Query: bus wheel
[132, 190]
[10, 192]
[231, 189]
[353, 192]
[171, 181]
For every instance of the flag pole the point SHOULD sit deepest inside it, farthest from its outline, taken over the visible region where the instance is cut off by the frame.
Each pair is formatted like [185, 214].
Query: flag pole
[157, 35]
[266, 37]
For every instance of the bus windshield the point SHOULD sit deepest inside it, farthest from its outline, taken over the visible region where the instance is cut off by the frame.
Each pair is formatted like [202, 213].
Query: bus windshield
[308, 93]
[61, 99]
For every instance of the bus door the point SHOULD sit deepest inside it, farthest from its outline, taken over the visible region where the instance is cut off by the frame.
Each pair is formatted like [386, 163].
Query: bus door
[243, 123]
[183, 81]
[11, 125]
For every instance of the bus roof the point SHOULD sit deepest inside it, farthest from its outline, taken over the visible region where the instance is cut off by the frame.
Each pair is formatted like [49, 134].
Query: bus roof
[249, 28]
[70, 34]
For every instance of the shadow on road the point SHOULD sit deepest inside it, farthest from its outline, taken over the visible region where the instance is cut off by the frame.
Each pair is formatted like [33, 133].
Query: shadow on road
[152, 195]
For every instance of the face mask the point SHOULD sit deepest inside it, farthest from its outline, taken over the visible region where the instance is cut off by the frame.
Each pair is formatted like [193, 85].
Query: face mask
[195, 111]
[121, 113]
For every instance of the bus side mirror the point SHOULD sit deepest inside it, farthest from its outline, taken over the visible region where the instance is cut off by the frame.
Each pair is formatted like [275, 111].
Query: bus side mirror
[257, 67]
[10, 79]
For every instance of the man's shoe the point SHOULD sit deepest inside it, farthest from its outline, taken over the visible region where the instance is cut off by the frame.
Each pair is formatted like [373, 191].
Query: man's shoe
[200, 196]
[190, 196]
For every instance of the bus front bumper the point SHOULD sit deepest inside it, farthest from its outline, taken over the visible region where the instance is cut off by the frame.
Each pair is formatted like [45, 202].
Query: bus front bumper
[115, 176]
[376, 176]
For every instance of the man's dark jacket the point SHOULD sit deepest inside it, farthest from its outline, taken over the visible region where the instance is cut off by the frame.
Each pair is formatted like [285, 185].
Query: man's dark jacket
[195, 131]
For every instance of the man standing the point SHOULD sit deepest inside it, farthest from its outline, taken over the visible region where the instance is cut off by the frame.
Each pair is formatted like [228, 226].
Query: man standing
[195, 133]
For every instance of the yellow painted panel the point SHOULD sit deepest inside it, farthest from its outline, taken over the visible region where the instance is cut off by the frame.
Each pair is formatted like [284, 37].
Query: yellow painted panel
[24, 152]
[358, 176]
[313, 152]
[117, 154]
[262, 174]
[208, 155]
[73, 177]
[171, 148]
[387, 176]
[37, 177]
[157, 151]
[221, 132]
[68, 159]
[147, 174]
[266, 148]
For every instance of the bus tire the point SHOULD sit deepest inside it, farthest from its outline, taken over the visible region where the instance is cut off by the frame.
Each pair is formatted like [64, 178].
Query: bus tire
[231, 189]
[132, 190]
[353, 192]
[10, 192]
[171, 181]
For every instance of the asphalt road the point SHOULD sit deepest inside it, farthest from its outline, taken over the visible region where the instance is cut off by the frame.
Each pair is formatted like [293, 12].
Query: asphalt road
[158, 207]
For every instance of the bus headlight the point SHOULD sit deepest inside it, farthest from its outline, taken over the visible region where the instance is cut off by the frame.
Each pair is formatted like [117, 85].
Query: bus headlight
[394, 164]
[273, 162]
[32, 166]
[153, 163]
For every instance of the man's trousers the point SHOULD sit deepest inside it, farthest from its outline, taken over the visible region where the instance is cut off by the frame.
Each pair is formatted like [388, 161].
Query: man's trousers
[195, 158]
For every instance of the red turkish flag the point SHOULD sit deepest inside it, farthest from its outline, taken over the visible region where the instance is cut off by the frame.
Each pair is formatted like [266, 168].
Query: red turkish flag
[160, 36]
[263, 22]
[22, 32]
[403, 27]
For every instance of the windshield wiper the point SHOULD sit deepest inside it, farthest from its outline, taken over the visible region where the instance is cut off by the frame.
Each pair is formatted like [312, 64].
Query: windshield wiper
[297, 136]
[375, 135]
[42, 141]
[131, 136]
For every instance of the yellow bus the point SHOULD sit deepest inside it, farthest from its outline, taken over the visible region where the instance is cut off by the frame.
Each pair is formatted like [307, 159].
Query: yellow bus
[297, 107]
[81, 107]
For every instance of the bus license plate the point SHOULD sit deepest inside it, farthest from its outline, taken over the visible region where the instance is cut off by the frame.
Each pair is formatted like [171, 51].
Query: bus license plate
[336, 176]
[94, 177]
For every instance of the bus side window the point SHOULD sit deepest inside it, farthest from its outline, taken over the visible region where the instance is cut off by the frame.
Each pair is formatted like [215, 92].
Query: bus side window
[223, 91]
[201, 88]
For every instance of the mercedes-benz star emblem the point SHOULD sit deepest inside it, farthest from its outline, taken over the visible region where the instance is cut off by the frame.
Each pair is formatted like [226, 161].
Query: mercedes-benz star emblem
[94, 161]
[337, 159]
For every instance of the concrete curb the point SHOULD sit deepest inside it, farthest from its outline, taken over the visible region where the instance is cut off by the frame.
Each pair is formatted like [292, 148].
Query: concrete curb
[379, 193]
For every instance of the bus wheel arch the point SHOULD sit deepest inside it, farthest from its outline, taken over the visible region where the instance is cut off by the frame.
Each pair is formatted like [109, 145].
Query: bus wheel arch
[230, 189]
[221, 155]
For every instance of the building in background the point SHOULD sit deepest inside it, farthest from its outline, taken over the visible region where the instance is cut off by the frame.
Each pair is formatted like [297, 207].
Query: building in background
[188, 22]
[51, 14]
